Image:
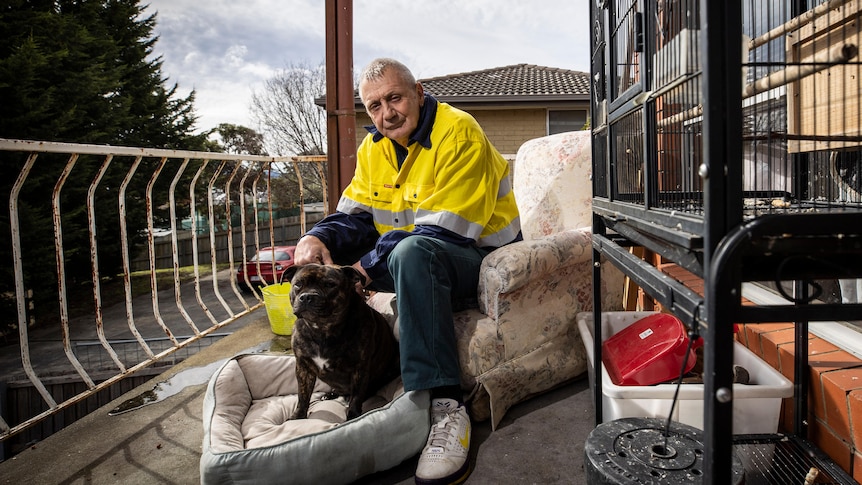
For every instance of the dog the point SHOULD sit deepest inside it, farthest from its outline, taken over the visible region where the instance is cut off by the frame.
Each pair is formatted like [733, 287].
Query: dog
[338, 338]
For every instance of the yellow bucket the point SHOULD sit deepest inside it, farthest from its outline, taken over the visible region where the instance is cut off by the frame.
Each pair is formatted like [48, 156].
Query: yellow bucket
[276, 298]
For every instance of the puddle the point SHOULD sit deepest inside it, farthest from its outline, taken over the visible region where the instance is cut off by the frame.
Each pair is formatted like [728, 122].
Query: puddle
[165, 389]
[173, 385]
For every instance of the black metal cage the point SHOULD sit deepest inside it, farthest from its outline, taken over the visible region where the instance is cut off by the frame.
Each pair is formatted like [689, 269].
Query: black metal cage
[796, 92]
[727, 138]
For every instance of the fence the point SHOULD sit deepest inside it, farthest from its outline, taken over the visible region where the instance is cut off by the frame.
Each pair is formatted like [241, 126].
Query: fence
[285, 230]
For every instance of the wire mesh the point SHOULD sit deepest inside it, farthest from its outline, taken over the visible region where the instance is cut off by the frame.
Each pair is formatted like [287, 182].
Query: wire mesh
[779, 461]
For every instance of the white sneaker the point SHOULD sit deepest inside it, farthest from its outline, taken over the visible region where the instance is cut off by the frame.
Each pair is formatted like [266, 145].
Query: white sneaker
[444, 459]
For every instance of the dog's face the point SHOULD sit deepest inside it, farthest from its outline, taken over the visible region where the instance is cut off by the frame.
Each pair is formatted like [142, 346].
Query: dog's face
[319, 292]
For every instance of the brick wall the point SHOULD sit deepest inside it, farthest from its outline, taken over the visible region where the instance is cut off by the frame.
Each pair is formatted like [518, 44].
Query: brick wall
[508, 129]
[835, 391]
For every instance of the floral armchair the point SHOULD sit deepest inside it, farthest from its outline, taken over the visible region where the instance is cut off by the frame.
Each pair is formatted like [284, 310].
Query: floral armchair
[523, 338]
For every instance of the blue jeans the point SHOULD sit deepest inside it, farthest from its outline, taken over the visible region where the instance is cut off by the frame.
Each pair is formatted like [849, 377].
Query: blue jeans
[431, 279]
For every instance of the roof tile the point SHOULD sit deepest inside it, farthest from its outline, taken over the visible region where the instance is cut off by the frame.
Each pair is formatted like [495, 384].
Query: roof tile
[515, 80]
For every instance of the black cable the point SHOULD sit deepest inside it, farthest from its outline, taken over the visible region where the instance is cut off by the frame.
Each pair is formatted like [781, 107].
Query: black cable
[818, 289]
[692, 336]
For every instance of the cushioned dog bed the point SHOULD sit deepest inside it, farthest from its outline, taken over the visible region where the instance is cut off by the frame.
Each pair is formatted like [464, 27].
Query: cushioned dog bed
[248, 438]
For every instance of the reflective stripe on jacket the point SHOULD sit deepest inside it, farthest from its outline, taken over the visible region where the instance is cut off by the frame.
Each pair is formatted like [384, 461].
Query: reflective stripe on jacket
[461, 183]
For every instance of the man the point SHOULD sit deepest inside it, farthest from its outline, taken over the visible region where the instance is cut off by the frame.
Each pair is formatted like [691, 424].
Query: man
[429, 199]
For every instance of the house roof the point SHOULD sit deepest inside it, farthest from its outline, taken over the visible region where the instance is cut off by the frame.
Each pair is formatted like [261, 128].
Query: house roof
[518, 82]
[515, 85]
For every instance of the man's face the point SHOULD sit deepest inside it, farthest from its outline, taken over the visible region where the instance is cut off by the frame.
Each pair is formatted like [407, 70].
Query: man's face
[393, 105]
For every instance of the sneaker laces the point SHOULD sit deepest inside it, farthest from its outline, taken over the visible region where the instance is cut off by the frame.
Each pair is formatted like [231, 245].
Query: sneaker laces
[440, 435]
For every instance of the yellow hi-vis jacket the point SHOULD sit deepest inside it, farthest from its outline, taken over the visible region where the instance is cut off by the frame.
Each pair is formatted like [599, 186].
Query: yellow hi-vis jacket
[461, 183]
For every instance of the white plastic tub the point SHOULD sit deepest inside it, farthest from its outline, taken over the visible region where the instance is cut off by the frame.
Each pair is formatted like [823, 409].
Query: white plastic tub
[756, 406]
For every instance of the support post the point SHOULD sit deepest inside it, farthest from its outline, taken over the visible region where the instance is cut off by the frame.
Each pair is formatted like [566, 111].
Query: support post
[340, 101]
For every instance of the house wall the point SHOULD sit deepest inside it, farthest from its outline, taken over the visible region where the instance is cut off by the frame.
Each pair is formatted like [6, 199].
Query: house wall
[507, 129]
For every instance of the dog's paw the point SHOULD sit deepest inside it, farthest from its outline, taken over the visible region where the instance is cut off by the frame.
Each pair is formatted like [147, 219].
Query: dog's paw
[353, 414]
[299, 415]
[354, 409]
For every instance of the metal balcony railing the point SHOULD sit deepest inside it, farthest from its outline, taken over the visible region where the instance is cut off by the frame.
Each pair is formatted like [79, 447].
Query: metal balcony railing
[105, 211]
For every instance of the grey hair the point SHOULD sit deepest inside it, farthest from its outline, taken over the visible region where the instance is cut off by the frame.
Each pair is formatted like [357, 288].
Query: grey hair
[375, 69]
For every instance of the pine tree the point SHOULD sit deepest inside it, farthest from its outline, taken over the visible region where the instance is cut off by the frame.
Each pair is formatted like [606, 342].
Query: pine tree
[81, 71]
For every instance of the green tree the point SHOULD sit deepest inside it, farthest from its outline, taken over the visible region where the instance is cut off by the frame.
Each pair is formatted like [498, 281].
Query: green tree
[82, 71]
[240, 139]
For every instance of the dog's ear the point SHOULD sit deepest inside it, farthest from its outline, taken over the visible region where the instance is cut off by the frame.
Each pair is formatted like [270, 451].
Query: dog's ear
[354, 275]
[289, 272]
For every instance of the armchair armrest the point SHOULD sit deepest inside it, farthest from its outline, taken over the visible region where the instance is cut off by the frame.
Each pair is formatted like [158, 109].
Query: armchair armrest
[532, 290]
[511, 267]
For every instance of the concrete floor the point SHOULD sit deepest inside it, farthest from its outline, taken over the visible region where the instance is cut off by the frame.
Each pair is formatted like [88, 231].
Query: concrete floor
[539, 441]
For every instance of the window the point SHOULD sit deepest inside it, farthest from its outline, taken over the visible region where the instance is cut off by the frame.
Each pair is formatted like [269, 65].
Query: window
[568, 120]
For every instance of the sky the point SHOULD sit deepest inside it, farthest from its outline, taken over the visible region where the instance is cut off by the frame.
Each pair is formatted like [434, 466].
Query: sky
[226, 49]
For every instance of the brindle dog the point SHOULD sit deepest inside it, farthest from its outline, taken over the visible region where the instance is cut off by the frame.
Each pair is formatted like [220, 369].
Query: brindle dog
[338, 338]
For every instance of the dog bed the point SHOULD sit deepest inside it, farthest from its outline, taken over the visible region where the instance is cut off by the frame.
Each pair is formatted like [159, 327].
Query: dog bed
[248, 438]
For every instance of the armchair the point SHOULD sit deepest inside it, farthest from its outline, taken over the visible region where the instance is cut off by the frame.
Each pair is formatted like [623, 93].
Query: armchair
[523, 338]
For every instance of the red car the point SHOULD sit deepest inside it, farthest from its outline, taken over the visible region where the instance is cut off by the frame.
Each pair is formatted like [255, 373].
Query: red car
[283, 257]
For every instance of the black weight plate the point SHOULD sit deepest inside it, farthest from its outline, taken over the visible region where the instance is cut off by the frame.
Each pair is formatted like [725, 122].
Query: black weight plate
[634, 450]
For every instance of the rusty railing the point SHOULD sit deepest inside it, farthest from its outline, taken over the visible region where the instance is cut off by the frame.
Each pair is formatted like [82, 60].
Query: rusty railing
[67, 201]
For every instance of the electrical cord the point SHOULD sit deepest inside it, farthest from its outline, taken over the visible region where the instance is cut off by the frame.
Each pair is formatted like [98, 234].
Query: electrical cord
[692, 336]
[818, 289]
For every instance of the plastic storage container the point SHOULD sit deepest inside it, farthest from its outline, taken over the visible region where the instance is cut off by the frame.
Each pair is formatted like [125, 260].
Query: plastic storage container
[756, 406]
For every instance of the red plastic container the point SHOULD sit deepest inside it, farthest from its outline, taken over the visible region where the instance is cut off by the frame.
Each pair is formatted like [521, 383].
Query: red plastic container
[649, 351]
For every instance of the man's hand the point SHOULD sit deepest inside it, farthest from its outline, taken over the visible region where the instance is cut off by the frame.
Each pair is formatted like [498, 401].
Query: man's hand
[366, 278]
[363, 282]
[309, 250]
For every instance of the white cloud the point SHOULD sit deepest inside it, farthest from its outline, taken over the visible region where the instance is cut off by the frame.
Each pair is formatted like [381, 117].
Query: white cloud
[446, 37]
[226, 49]
[234, 57]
